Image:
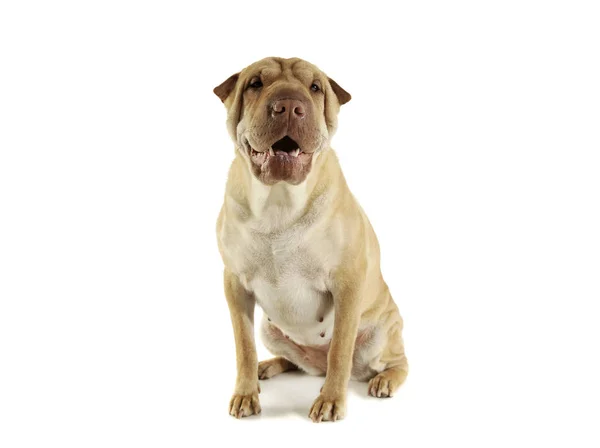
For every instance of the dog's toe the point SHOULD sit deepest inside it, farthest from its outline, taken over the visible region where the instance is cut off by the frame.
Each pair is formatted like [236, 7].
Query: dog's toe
[271, 367]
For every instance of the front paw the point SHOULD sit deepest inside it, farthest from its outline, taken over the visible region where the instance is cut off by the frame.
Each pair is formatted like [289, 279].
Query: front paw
[328, 408]
[244, 404]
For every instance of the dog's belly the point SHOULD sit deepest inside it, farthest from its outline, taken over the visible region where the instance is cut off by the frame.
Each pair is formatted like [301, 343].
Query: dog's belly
[366, 360]
[297, 307]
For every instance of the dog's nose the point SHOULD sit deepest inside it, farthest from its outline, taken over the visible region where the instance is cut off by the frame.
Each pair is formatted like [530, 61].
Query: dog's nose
[293, 108]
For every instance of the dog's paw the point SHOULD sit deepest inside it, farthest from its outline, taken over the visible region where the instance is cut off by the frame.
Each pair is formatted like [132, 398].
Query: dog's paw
[274, 366]
[244, 405]
[385, 383]
[268, 369]
[382, 386]
[328, 409]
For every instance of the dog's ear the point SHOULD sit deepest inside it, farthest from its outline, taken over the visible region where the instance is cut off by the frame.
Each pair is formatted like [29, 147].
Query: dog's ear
[224, 89]
[342, 96]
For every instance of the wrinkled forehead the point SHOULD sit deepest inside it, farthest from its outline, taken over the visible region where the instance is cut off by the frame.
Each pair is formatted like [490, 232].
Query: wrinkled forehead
[275, 69]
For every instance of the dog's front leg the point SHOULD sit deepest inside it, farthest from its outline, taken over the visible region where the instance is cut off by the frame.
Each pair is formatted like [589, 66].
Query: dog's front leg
[244, 401]
[331, 402]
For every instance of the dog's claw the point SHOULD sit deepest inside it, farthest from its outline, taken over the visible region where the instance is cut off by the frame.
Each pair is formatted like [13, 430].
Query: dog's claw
[327, 409]
[244, 405]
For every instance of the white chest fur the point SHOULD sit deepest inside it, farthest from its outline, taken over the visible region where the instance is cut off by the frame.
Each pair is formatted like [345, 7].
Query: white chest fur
[294, 297]
[286, 269]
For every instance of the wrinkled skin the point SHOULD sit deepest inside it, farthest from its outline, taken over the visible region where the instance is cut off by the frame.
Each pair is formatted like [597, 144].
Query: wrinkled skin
[251, 97]
[295, 241]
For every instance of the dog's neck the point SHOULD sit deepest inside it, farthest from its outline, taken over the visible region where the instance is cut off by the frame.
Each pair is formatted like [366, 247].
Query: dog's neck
[289, 199]
[276, 207]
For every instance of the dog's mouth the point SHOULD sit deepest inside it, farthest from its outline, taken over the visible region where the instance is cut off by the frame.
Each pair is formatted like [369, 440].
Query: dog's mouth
[284, 160]
[286, 147]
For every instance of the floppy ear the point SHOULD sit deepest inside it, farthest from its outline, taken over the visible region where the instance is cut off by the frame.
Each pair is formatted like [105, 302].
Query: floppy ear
[342, 96]
[223, 90]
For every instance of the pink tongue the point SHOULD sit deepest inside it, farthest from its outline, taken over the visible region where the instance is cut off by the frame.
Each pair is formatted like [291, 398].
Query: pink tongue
[279, 151]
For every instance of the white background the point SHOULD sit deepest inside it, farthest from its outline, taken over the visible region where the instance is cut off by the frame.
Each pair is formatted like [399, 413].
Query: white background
[472, 141]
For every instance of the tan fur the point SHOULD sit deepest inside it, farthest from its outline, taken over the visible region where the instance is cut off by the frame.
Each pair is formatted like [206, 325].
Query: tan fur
[294, 240]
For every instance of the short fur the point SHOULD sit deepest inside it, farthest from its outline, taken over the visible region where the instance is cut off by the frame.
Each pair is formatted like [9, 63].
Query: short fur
[294, 240]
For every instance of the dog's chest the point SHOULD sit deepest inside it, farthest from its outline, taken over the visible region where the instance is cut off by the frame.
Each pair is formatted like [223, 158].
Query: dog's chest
[288, 275]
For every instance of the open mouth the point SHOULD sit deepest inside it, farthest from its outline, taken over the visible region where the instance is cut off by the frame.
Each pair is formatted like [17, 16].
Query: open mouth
[284, 160]
[286, 145]
[285, 148]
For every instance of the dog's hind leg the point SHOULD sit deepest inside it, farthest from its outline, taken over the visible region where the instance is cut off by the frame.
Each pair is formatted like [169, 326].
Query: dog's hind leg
[385, 383]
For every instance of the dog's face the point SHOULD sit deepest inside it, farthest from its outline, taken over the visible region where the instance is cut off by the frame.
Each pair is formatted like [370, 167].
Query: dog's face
[281, 115]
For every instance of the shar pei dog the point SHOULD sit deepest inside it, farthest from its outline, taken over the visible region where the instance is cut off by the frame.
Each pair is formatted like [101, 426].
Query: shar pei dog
[295, 241]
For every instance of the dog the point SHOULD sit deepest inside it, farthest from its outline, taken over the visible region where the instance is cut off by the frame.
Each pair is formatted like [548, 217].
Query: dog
[296, 242]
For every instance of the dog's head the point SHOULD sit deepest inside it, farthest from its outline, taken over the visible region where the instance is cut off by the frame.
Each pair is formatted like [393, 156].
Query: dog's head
[281, 113]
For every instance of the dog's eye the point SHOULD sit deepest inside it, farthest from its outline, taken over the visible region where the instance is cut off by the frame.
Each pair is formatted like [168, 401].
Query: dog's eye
[314, 87]
[256, 83]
